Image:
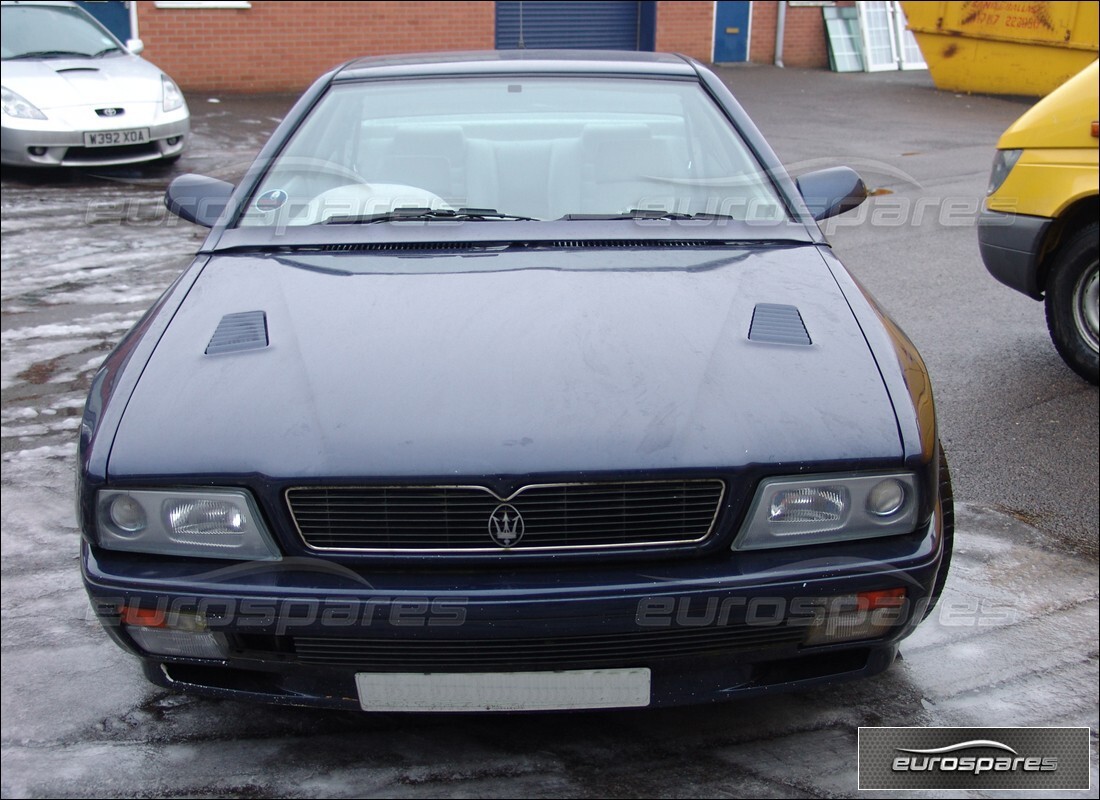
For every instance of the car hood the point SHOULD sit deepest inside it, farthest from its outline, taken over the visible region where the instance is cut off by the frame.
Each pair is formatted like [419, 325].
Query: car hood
[66, 82]
[1063, 119]
[506, 364]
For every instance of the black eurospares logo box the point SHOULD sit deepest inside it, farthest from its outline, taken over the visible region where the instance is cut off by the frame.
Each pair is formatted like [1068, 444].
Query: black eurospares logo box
[974, 758]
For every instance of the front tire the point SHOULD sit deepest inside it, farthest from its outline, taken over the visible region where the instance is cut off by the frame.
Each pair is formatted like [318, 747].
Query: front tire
[1071, 303]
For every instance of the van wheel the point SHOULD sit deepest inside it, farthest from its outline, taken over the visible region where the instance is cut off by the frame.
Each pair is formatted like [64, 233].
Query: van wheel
[1072, 293]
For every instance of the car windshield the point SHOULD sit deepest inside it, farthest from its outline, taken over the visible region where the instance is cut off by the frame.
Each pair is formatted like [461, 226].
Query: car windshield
[52, 32]
[497, 148]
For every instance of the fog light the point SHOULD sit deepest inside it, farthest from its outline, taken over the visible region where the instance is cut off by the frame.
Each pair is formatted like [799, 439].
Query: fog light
[161, 633]
[172, 141]
[852, 617]
[37, 151]
[136, 616]
[185, 644]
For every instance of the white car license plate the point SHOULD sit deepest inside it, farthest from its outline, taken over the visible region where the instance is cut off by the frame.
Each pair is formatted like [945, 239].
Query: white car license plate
[116, 138]
[503, 691]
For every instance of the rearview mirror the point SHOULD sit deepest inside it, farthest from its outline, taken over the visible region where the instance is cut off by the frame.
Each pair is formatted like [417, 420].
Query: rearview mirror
[135, 46]
[198, 199]
[832, 191]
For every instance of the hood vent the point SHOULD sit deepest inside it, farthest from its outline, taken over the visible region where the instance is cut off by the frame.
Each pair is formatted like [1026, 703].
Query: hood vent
[574, 244]
[236, 332]
[778, 324]
[63, 70]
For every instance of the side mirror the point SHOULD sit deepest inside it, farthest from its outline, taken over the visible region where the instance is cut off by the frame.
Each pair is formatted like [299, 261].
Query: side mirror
[198, 199]
[832, 191]
[135, 46]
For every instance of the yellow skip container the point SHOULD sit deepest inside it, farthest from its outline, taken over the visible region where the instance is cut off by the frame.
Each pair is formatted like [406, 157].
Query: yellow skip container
[1024, 48]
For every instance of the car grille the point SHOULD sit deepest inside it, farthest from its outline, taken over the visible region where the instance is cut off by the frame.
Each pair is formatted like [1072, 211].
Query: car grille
[603, 650]
[472, 519]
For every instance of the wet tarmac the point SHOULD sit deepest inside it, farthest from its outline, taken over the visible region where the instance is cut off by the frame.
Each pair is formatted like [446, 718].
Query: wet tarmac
[1014, 641]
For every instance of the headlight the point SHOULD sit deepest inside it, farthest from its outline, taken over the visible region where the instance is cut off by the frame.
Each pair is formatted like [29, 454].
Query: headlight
[211, 524]
[15, 105]
[173, 97]
[1003, 163]
[789, 512]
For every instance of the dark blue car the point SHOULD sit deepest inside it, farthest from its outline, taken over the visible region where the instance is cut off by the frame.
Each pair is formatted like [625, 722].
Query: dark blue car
[513, 381]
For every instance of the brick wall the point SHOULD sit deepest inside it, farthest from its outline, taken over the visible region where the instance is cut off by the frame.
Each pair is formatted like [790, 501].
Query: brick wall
[804, 43]
[282, 45]
[685, 26]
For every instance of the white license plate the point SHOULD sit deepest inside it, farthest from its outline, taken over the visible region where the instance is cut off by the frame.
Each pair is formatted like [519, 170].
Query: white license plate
[503, 691]
[116, 138]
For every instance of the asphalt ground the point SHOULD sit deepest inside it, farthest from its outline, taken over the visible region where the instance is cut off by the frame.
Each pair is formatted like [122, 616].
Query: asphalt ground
[1013, 643]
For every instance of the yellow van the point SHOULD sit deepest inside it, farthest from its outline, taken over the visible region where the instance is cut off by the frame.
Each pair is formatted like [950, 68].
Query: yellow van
[1038, 229]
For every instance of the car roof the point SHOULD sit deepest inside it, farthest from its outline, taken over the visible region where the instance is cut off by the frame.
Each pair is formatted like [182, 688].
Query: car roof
[63, 3]
[491, 62]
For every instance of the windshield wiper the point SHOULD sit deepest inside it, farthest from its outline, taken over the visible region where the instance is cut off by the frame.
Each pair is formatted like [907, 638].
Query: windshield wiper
[426, 214]
[49, 54]
[642, 213]
[105, 51]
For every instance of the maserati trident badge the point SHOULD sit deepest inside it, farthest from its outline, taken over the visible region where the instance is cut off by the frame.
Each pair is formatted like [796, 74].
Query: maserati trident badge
[506, 525]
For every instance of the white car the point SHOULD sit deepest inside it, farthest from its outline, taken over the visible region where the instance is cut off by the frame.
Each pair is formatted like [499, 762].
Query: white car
[74, 95]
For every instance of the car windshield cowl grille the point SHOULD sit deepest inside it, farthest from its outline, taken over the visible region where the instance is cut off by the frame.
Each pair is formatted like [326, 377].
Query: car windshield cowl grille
[567, 244]
[464, 520]
[460, 236]
[515, 245]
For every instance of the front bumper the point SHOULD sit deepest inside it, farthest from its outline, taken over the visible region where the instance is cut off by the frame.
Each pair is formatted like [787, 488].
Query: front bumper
[674, 682]
[59, 140]
[297, 632]
[1011, 245]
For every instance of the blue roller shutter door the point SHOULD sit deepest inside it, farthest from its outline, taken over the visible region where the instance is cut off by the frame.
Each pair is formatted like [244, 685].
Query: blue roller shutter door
[586, 25]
